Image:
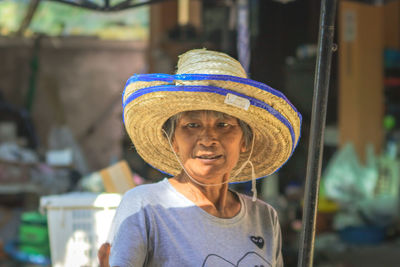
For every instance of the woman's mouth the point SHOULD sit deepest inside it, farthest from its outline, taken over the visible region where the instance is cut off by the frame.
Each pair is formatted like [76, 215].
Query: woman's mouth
[209, 157]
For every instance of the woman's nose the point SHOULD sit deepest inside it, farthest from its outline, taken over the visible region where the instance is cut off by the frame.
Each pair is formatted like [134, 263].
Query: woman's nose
[208, 136]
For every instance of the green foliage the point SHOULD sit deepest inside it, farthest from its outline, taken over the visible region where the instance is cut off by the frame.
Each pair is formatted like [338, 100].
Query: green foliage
[56, 19]
[11, 15]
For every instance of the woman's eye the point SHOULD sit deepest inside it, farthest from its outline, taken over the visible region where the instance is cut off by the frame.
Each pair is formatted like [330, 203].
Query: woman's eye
[223, 124]
[192, 125]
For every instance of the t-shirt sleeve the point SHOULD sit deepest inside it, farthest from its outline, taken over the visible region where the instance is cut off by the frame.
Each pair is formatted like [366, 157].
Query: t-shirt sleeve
[129, 235]
[130, 244]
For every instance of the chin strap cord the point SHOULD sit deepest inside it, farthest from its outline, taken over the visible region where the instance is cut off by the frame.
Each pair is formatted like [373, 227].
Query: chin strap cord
[253, 182]
[253, 174]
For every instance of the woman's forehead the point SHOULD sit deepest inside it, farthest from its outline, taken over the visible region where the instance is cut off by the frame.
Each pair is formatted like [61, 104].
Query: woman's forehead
[194, 114]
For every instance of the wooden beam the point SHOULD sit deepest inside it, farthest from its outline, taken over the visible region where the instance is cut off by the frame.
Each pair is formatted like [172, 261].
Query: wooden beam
[361, 99]
[33, 5]
[163, 17]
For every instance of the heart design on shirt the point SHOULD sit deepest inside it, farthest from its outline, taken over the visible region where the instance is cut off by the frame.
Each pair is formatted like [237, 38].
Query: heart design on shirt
[258, 240]
[249, 259]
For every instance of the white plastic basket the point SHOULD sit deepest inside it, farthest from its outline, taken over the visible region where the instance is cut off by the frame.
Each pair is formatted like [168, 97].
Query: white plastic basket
[78, 224]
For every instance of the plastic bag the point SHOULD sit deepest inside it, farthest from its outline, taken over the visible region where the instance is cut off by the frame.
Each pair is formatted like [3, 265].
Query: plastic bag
[367, 194]
[345, 180]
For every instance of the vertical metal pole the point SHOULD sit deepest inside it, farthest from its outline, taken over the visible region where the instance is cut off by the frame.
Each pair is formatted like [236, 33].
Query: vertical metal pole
[243, 34]
[318, 115]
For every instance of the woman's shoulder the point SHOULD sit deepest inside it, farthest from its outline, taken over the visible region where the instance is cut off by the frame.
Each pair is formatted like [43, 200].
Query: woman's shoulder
[258, 205]
[145, 190]
[141, 196]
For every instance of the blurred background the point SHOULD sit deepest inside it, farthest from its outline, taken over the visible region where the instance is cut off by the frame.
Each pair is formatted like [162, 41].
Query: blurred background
[65, 158]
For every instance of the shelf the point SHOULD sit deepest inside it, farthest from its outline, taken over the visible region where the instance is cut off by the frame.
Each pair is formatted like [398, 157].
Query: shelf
[19, 188]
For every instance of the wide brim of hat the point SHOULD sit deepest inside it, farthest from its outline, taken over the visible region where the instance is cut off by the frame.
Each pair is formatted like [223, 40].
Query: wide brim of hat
[150, 99]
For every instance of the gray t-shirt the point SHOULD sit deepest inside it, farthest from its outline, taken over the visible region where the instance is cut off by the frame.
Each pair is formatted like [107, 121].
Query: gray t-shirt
[155, 225]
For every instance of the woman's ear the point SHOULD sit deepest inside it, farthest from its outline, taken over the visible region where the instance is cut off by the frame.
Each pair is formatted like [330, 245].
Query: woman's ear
[175, 146]
[243, 146]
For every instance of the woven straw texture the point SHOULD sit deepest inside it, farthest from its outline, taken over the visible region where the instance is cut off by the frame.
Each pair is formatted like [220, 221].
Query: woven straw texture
[144, 115]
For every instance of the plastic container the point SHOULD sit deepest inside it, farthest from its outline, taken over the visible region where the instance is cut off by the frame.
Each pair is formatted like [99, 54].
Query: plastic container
[43, 250]
[12, 248]
[78, 224]
[33, 229]
[362, 235]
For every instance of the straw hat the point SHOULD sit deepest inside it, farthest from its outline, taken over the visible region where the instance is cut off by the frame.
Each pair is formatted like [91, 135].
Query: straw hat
[209, 80]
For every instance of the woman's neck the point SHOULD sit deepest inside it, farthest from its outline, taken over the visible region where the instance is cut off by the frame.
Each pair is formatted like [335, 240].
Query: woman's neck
[216, 200]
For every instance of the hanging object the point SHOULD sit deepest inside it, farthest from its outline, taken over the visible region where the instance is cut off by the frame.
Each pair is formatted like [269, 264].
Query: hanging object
[243, 34]
[184, 31]
[183, 12]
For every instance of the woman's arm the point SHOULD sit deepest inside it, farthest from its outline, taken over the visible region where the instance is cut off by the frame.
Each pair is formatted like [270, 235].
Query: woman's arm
[104, 254]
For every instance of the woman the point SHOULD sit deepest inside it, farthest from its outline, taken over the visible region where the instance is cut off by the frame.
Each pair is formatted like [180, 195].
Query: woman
[207, 126]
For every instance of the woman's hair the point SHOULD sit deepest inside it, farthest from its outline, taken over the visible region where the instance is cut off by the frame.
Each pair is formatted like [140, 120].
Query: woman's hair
[170, 125]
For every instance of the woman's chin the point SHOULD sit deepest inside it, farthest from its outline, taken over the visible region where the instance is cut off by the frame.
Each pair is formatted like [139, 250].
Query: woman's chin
[208, 171]
[208, 175]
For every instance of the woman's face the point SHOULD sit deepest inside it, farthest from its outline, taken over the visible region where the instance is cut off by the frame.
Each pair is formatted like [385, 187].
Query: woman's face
[208, 145]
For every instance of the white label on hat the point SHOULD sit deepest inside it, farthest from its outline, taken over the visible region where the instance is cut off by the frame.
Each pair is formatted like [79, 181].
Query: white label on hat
[237, 101]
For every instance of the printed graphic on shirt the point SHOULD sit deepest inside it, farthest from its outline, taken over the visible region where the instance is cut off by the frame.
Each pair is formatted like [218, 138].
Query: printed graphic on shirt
[250, 259]
[258, 240]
